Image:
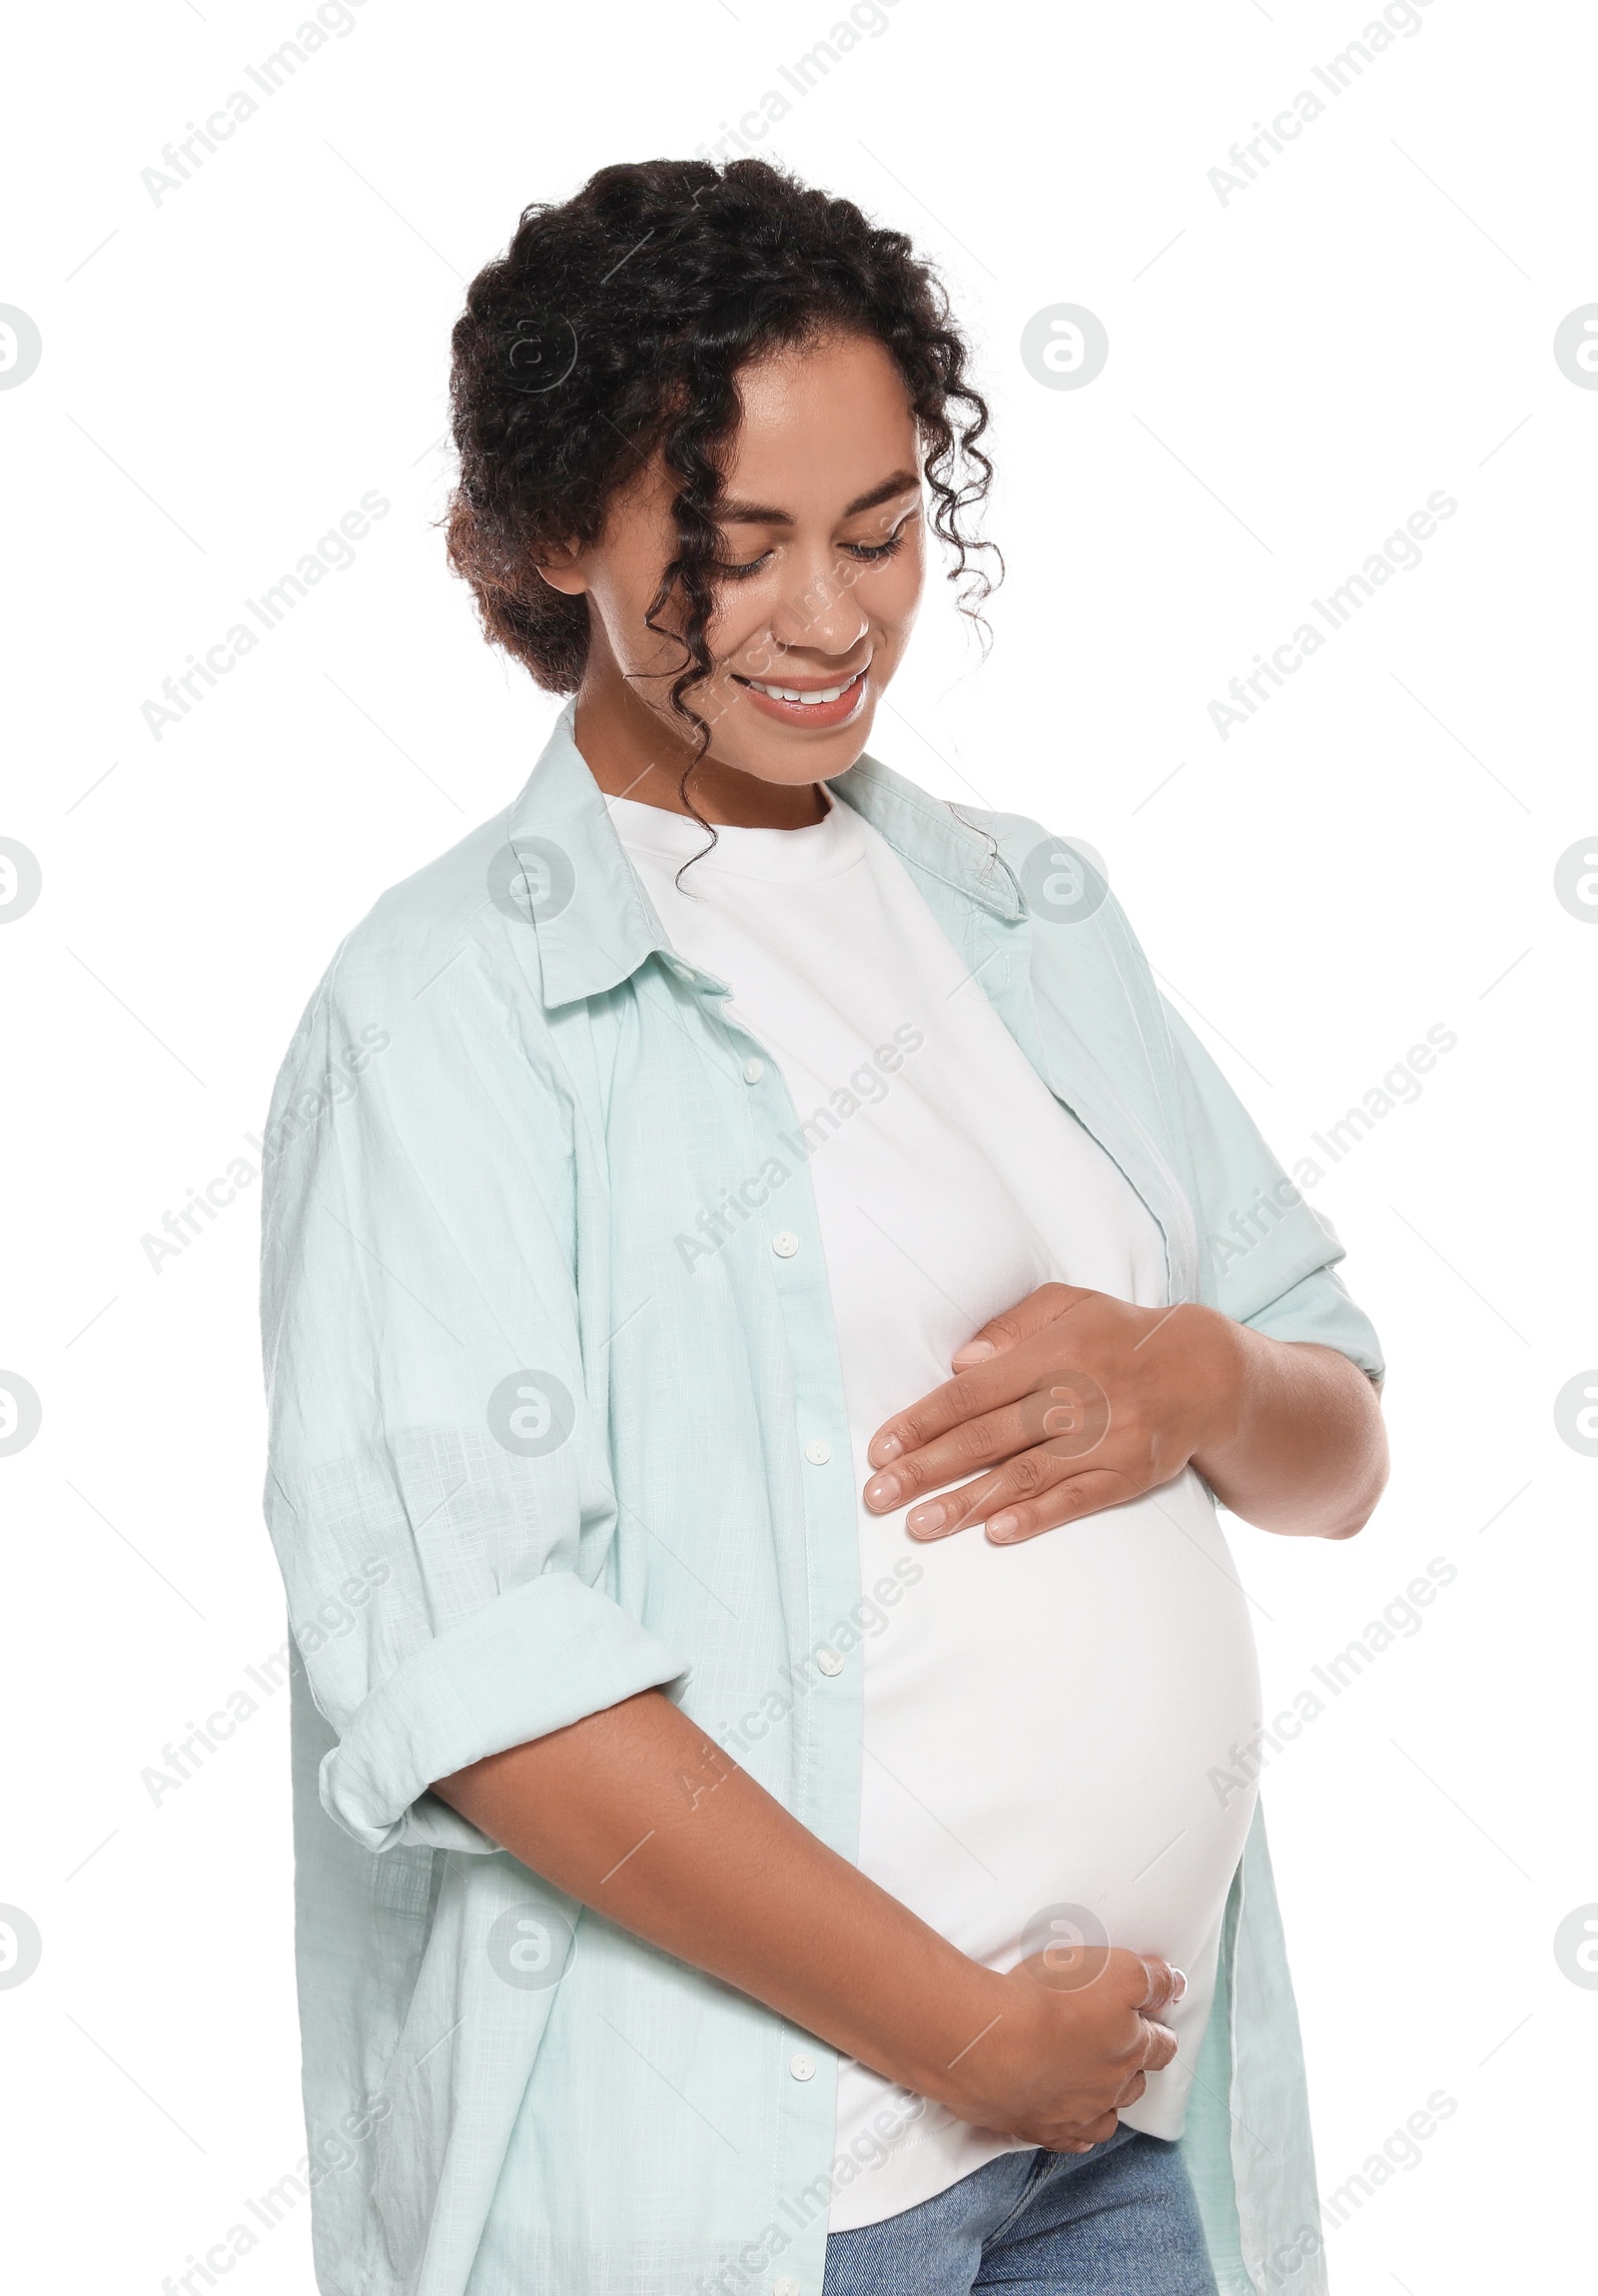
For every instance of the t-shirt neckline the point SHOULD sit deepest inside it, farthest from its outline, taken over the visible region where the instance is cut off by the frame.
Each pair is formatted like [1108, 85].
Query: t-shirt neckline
[820, 849]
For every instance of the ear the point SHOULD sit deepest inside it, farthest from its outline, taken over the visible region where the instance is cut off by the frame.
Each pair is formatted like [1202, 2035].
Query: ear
[562, 569]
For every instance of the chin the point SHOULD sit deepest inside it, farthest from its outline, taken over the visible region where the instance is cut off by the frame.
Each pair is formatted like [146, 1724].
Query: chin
[798, 757]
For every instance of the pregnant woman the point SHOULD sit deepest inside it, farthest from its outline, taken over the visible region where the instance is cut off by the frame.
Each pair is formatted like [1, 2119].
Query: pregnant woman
[761, 1300]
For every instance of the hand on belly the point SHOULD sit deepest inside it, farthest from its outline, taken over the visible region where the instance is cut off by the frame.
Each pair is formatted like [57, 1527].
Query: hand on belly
[1071, 1403]
[1076, 2049]
[1048, 1725]
[1044, 1729]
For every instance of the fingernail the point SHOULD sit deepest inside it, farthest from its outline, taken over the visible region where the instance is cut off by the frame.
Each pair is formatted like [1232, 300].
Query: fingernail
[928, 1518]
[1003, 1526]
[882, 1490]
[884, 1448]
[973, 1351]
[1178, 1991]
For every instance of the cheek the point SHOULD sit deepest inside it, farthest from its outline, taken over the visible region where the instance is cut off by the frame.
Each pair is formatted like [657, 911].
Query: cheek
[624, 576]
[740, 627]
[890, 594]
[620, 601]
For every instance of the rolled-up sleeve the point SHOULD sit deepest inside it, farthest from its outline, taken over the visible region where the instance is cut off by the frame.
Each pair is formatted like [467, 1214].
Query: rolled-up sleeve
[439, 1491]
[1269, 1257]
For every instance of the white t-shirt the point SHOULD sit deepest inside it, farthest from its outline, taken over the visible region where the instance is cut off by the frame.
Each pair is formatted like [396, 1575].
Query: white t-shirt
[1040, 1720]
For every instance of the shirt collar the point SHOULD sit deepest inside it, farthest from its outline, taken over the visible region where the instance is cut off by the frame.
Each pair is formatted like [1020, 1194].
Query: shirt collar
[598, 925]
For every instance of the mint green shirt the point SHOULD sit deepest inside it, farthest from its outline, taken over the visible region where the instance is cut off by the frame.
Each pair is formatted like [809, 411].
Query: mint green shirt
[530, 1455]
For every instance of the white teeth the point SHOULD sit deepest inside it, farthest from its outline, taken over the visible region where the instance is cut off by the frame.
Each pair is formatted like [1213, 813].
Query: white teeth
[788, 693]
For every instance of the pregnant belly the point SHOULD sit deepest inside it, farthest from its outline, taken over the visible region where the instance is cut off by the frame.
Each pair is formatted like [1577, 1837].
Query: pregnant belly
[1040, 1725]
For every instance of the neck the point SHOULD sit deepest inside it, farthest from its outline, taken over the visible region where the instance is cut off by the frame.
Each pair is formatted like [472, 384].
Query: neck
[631, 753]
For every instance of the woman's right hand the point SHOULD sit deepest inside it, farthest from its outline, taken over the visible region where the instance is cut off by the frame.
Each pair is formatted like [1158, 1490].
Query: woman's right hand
[1072, 2043]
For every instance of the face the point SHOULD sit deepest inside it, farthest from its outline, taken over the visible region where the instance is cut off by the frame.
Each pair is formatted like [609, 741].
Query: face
[822, 533]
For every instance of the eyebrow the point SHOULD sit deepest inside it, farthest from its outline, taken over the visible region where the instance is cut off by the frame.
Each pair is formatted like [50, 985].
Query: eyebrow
[763, 515]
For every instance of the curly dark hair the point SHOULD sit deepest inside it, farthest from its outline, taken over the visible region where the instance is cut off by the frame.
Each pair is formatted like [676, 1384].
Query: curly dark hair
[614, 324]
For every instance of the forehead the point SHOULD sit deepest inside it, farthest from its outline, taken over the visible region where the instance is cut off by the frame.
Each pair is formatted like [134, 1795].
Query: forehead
[820, 424]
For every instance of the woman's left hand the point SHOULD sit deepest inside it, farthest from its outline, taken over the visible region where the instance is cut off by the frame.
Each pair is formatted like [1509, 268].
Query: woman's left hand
[1068, 1402]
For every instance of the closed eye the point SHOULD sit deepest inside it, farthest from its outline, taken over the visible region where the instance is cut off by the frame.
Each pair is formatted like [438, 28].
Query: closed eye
[863, 554]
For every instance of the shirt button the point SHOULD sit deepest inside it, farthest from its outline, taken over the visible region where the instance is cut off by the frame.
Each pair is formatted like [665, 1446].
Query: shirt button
[785, 2288]
[829, 1661]
[818, 1452]
[802, 2068]
[785, 1243]
[753, 1071]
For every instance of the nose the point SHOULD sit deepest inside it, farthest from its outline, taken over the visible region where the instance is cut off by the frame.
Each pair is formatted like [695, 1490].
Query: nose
[820, 612]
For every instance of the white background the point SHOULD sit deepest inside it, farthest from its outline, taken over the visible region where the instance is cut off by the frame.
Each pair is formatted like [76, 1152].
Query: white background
[1291, 374]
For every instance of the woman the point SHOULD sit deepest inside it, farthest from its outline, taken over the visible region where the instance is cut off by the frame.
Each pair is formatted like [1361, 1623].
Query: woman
[760, 1293]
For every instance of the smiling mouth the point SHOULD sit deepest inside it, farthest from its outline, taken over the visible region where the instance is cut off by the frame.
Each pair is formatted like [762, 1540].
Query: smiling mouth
[811, 696]
[825, 705]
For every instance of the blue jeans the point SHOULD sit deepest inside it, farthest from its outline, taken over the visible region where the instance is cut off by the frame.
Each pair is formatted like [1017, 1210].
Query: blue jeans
[1118, 2221]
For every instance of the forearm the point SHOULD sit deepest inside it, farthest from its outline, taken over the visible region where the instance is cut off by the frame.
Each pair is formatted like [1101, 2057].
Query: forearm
[1303, 1449]
[636, 1813]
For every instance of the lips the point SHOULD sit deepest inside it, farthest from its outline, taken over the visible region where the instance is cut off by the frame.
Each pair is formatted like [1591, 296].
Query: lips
[773, 698]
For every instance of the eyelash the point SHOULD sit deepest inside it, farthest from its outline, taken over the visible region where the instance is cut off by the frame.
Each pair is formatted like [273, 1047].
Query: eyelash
[865, 554]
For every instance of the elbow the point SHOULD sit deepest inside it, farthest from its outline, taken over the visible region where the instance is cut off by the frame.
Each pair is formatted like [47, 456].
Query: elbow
[1362, 1502]
[1349, 1527]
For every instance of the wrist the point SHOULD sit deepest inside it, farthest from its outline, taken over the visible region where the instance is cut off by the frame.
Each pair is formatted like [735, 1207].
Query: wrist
[971, 2037]
[1222, 1374]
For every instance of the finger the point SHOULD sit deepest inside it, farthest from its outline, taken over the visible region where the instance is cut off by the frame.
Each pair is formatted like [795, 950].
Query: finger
[985, 1387]
[1166, 1985]
[1010, 1520]
[1019, 1322]
[1066, 1417]
[983, 1381]
[1083, 2138]
[955, 1511]
[1031, 1493]
[988, 1440]
[1133, 2090]
[1158, 2047]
